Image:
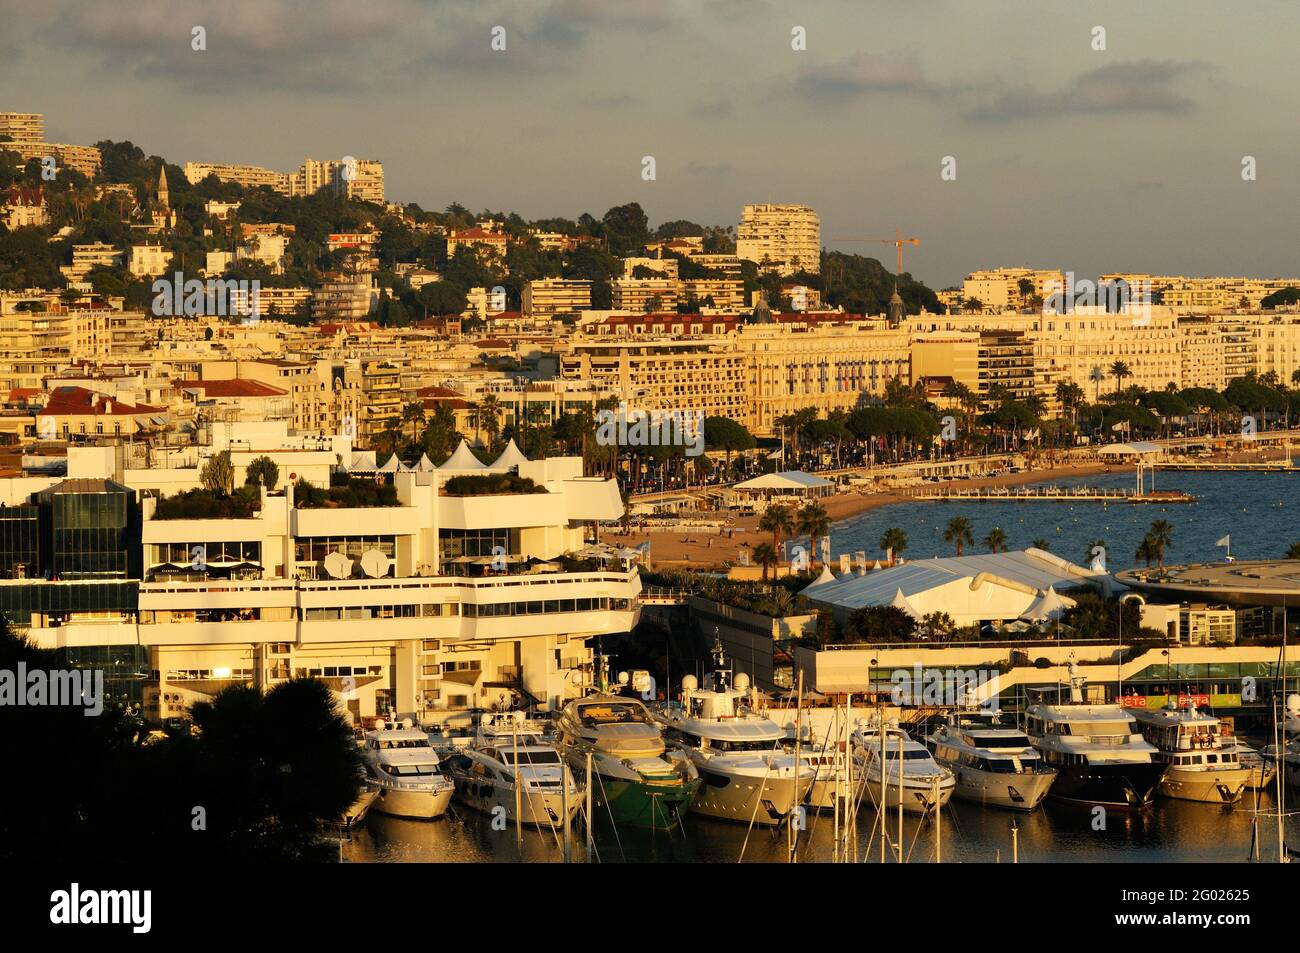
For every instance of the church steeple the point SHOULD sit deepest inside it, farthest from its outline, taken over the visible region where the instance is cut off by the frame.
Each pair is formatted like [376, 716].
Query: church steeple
[897, 311]
[163, 198]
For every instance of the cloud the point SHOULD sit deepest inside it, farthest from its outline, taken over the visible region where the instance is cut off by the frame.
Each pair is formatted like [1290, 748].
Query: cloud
[863, 74]
[327, 46]
[1141, 86]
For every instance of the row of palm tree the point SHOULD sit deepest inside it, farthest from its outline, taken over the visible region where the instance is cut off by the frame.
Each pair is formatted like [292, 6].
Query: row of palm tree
[780, 520]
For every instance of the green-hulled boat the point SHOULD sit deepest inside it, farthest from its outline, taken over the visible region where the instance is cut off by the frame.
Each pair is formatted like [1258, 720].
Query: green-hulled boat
[634, 779]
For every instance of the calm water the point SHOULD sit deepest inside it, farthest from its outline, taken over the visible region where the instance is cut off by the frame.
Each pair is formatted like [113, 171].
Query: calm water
[1173, 831]
[1261, 511]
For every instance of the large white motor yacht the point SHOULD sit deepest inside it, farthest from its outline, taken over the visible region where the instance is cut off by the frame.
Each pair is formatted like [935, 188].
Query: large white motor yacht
[747, 774]
[889, 757]
[510, 770]
[407, 770]
[992, 763]
[1100, 757]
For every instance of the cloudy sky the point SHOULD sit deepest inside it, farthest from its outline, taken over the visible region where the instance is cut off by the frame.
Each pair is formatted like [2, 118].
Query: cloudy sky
[1124, 159]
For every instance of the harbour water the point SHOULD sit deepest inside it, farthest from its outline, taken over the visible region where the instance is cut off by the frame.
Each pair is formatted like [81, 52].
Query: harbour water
[1172, 831]
[1259, 510]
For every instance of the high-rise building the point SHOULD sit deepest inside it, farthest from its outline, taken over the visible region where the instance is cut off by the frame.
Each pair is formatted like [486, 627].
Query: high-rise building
[22, 127]
[786, 238]
[556, 296]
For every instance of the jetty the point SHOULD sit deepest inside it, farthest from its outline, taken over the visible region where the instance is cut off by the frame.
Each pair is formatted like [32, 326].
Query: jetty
[1048, 494]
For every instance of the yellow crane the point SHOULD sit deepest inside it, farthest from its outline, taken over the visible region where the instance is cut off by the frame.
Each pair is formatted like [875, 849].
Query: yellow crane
[898, 241]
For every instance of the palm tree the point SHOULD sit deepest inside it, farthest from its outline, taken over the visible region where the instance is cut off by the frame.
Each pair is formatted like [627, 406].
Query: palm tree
[777, 520]
[765, 556]
[1162, 538]
[1146, 551]
[1294, 551]
[1119, 370]
[1097, 376]
[1040, 544]
[995, 540]
[488, 418]
[892, 543]
[413, 414]
[814, 522]
[959, 533]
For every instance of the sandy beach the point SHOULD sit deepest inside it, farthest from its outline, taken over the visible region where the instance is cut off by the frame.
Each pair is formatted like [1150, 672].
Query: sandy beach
[705, 549]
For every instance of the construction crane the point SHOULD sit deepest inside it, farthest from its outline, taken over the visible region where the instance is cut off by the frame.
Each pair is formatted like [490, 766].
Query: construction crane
[898, 241]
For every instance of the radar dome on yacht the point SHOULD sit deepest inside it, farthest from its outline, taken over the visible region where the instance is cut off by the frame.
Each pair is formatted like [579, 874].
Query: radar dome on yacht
[741, 681]
[1293, 703]
[690, 683]
[624, 678]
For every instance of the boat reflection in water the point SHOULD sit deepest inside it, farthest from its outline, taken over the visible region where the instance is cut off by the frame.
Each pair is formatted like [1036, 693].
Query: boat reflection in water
[1172, 831]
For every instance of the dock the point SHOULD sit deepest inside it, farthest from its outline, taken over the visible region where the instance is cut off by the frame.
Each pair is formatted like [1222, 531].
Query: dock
[1050, 494]
[1266, 466]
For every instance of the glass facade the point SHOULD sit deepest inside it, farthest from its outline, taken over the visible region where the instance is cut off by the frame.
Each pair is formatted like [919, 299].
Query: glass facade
[458, 543]
[20, 533]
[57, 602]
[88, 529]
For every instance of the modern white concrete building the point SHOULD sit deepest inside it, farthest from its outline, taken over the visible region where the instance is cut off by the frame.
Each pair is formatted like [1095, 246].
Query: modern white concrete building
[449, 598]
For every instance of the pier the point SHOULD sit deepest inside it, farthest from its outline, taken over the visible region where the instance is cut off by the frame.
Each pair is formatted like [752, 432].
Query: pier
[1049, 494]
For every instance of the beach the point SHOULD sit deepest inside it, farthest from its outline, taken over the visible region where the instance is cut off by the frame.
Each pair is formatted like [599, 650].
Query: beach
[707, 548]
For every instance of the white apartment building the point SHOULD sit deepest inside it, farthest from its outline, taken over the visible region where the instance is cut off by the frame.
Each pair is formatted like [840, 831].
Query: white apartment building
[23, 127]
[148, 260]
[998, 289]
[249, 176]
[556, 296]
[645, 294]
[361, 179]
[786, 238]
[345, 298]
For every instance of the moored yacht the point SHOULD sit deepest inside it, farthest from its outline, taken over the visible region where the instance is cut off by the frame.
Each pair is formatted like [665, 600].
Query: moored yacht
[885, 757]
[511, 770]
[1198, 766]
[747, 774]
[634, 778]
[407, 770]
[992, 763]
[1100, 757]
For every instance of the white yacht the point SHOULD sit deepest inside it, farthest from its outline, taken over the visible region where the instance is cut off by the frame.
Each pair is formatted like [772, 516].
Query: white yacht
[1100, 756]
[747, 774]
[992, 763]
[510, 770]
[926, 784]
[407, 770]
[1198, 766]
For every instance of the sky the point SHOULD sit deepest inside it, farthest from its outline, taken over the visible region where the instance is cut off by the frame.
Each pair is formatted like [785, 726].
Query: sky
[1128, 158]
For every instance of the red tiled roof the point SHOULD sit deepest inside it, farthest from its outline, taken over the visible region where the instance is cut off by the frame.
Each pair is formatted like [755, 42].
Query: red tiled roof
[22, 393]
[234, 387]
[80, 402]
